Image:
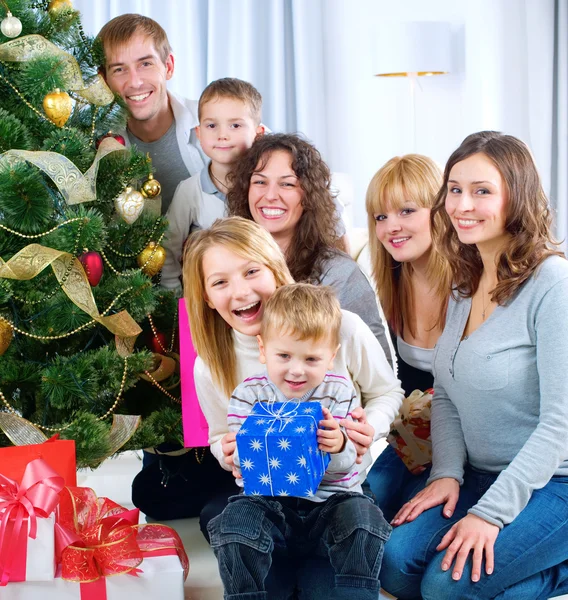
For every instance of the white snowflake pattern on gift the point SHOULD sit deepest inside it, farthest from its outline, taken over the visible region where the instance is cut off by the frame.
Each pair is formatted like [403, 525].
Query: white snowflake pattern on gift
[247, 464]
[300, 429]
[274, 463]
[284, 444]
[282, 493]
[265, 479]
[309, 493]
[288, 420]
[256, 445]
[270, 430]
[243, 431]
[255, 493]
[310, 450]
[302, 461]
[308, 410]
[292, 478]
[312, 428]
[260, 422]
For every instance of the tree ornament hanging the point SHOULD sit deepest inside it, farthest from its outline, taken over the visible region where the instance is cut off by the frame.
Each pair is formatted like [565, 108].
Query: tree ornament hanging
[56, 6]
[57, 106]
[93, 264]
[6, 334]
[151, 187]
[117, 137]
[11, 26]
[129, 205]
[151, 259]
[157, 342]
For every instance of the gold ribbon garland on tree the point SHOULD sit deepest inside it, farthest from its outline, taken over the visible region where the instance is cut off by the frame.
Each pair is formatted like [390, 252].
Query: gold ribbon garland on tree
[34, 258]
[34, 46]
[73, 185]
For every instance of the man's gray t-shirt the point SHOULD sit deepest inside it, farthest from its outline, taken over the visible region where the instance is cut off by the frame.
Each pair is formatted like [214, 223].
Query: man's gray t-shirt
[169, 168]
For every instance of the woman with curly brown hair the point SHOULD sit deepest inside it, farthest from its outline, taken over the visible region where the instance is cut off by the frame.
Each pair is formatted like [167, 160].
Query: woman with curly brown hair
[492, 521]
[283, 184]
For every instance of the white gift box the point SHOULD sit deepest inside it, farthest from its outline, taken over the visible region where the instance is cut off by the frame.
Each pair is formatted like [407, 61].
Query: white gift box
[162, 577]
[40, 552]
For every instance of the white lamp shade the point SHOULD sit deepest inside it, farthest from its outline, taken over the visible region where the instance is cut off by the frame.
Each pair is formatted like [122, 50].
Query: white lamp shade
[418, 47]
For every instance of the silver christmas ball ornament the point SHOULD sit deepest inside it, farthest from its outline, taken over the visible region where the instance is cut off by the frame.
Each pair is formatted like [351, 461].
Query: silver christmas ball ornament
[11, 26]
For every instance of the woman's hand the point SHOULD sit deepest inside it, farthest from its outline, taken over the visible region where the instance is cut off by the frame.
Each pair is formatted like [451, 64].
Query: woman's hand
[359, 431]
[330, 437]
[442, 491]
[469, 533]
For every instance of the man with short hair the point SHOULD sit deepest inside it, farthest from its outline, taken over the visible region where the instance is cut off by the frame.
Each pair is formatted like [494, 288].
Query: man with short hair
[138, 63]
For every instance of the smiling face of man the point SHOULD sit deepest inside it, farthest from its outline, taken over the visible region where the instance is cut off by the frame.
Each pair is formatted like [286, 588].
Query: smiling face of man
[135, 71]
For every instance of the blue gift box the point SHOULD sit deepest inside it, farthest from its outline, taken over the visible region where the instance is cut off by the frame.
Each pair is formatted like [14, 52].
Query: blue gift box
[278, 449]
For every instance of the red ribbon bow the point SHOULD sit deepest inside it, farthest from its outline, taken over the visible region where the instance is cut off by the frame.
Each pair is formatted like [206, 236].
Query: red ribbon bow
[36, 496]
[96, 537]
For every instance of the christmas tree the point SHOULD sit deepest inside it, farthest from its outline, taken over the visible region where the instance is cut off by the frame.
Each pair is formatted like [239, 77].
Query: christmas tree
[80, 304]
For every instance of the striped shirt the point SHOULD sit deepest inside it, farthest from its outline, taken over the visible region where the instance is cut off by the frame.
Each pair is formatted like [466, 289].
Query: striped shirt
[336, 393]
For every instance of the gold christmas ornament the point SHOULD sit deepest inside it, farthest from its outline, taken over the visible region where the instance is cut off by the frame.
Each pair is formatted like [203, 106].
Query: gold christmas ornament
[11, 26]
[56, 6]
[151, 187]
[151, 259]
[6, 335]
[129, 205]
[57, 107]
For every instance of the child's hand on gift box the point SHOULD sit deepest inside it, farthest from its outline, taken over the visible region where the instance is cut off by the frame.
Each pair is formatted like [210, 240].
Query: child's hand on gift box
[330, 437]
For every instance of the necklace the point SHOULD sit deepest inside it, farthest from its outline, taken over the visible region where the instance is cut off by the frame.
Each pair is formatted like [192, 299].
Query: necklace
[215, 179]
[484, 309]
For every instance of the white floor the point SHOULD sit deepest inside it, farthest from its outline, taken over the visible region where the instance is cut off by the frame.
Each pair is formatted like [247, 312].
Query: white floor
[113, 479]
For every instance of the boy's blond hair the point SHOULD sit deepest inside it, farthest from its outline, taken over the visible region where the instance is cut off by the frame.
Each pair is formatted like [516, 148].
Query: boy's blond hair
[309, 312]
[235, 89]
[120, 30]
[212, 337]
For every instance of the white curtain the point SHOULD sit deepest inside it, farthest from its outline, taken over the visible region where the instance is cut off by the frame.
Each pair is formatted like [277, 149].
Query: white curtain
[275, 44]
[559, 166]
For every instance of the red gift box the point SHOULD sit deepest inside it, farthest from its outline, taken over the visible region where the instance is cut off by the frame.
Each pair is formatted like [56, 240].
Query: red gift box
[58, 454]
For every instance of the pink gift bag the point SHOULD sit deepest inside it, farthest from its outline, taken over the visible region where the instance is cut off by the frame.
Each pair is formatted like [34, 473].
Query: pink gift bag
[195, 428]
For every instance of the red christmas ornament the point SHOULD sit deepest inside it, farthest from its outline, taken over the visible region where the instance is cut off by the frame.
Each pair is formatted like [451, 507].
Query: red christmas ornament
[117, 137]
[93, 265]
[158, 343]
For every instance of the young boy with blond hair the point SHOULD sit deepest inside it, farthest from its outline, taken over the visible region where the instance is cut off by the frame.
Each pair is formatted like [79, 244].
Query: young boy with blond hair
[229, 113]
[298, 342]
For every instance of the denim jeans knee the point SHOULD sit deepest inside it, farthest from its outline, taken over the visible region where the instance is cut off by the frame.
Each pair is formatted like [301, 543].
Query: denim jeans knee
[243, 538]
[355, 537]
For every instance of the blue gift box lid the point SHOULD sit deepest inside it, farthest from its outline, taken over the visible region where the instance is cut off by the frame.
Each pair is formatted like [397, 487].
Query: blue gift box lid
[278, 449]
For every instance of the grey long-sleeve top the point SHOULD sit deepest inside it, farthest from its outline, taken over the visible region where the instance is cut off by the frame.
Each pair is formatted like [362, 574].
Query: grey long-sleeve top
[356, 295]
[501, 394]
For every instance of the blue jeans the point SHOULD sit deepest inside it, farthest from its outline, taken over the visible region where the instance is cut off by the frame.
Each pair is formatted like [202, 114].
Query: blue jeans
[392, 483]
[347, 530]
[531, 553]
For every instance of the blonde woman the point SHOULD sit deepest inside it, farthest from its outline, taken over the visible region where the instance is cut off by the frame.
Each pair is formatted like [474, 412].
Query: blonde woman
[413, 283]
[230, 271]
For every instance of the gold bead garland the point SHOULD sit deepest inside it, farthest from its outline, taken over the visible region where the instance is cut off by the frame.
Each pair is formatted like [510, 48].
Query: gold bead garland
[164, 391]
[70, 333]
[152, 326]
[137, 252]
[64, 427]
[39, 235]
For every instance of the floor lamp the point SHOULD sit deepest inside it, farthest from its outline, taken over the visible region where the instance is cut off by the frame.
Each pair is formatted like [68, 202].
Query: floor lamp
[413, 50]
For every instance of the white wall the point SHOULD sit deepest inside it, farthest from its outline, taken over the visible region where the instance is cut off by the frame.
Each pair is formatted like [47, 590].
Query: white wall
[496, 83]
